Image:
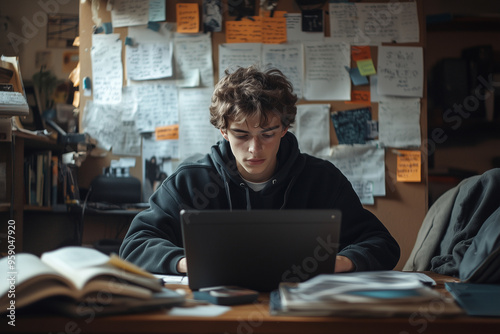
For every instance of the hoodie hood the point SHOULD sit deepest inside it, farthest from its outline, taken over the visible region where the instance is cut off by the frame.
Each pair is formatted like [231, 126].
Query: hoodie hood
[290, 164]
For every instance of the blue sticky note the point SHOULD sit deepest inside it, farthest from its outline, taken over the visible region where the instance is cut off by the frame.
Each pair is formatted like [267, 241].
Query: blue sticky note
[357, 78]
[129, 41]
[155, 26]
[108, 27]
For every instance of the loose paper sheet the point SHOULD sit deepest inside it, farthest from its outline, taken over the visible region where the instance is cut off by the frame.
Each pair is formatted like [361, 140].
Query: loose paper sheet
[312, 128]
[193, 60]
[400, 71]
[129, 13]
[157, 106]
[156, 10]
[364, 167]
[239, 54]
[325, 75]
[374, 23]
[196, 133]
[106, 123]
[399, 122]
[150, 55]
[289, 58]
[107, 69]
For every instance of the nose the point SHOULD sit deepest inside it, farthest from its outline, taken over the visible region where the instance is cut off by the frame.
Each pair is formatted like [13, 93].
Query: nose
[255, 145]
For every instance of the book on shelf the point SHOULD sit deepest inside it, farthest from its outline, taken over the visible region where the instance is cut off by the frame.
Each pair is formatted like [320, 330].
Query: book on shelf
[12, 96]
[74, 280]
[367, 294]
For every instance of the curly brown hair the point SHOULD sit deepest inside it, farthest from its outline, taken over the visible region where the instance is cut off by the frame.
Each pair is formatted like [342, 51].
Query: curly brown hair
[248, 92]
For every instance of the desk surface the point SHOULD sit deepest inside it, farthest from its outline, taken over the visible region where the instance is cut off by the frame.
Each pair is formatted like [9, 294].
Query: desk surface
[255, 318]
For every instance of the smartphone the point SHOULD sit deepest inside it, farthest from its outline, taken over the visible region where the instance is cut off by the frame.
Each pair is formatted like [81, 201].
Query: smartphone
[226, 295]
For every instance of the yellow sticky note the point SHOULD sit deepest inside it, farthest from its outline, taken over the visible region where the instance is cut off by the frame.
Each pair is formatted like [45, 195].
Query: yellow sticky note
[366, 67]
[188, 18]
[167, 132]
[409, 166]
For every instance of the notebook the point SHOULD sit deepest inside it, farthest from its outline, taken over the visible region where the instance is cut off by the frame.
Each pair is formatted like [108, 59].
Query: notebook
[258, 249]
[481, 300]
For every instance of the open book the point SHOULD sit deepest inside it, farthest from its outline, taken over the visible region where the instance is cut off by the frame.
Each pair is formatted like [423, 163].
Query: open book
[376, 293]
[80, 276]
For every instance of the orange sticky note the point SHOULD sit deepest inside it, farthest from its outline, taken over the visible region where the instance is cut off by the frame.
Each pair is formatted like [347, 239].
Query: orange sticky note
[244, 31]
[360, 97]
[273, 30]
[188, 18]
[360, 52]
[409, 166]
[167, 132]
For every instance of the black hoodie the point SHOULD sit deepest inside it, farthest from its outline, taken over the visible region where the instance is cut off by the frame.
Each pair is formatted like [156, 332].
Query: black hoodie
[301, 181]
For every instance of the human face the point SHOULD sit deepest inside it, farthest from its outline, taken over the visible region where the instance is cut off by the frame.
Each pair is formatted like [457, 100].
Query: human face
[254, 147]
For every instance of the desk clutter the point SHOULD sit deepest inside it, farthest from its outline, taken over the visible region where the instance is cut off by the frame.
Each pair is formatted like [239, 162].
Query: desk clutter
[78, 281]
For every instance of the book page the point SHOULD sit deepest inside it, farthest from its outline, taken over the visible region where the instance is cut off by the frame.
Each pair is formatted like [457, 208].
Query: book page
[30, 274]
[81, 265]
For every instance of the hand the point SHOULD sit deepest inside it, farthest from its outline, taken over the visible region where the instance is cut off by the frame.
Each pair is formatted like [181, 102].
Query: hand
[343, 264]
[182, 266]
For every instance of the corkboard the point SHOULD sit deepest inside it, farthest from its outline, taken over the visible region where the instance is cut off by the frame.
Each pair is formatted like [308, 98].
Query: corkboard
[404, 207]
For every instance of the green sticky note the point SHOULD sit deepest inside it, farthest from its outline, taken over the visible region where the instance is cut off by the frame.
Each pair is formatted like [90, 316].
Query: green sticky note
[366, 67]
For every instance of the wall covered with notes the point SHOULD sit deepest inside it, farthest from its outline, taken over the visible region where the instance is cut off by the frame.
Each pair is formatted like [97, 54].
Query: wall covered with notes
[149, 67]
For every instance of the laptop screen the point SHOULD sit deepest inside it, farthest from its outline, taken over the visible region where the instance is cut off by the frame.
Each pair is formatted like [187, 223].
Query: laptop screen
[258, 249]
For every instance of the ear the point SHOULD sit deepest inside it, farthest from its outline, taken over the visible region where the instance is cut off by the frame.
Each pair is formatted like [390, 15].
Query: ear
[224, 134]
[284, 131]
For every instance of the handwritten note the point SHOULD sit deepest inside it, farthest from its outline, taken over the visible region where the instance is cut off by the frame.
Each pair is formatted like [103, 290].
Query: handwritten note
[147, 61]
[196, 133]
[400, 71]
[360, 97]
[167, 132]
[360, 52]
[129, 13]
[107, 69]
[188, 18]
[409, 165]
[274, 30]
[325, 76]
[247, 30]
[366, 67]
[193, 52]
[156, 10]
[157, 106]
[289, 58]
[240, 54]
[374, 23]
[364, 167]
[106, 124]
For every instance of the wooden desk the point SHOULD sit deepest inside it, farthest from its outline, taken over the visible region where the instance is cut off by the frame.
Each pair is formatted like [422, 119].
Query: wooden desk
[255, 318]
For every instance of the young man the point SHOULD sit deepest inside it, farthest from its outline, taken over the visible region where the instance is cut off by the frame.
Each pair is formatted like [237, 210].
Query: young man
[258, 165]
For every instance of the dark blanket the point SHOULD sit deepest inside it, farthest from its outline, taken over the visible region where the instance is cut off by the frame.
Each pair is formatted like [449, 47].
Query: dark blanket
[475, 203]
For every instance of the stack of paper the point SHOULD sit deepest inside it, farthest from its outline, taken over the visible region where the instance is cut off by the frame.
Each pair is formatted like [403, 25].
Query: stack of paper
[378, 293]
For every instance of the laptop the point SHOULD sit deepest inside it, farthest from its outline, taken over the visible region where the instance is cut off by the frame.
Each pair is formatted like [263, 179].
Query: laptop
[258, 249]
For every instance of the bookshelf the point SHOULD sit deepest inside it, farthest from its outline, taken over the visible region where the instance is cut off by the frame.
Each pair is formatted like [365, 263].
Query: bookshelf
[15, 204]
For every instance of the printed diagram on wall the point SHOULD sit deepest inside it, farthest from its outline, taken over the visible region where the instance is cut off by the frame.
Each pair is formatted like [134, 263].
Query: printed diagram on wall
[62, 29]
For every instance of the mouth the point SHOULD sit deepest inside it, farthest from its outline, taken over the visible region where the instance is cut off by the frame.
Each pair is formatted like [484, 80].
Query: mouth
[254, 162]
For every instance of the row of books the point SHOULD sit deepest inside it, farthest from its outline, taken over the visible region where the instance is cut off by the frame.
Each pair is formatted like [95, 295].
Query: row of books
[41, 179]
